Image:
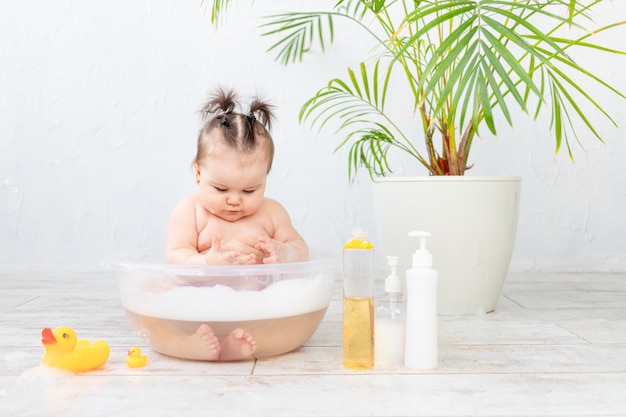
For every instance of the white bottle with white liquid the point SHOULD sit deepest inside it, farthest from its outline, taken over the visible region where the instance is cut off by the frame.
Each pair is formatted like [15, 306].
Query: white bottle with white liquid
[421, 311]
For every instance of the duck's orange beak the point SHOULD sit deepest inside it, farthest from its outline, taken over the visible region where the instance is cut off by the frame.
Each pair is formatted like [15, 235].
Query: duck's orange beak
[47, 338]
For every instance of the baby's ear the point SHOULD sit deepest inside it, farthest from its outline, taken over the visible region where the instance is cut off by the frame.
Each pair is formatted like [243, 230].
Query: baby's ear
[196, 171]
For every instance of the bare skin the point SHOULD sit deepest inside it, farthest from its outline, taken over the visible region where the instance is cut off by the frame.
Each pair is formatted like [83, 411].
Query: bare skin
[201, 345]
[204, 345]
[238, 345]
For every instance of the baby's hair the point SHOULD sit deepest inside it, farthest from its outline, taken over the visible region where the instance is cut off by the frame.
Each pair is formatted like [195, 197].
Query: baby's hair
[242, 132]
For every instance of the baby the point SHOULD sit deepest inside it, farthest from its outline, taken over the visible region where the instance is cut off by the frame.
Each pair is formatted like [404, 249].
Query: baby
[229, 220]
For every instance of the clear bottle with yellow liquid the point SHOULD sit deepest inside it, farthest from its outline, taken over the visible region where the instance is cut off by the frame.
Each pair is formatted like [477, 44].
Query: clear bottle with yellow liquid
[358, 301]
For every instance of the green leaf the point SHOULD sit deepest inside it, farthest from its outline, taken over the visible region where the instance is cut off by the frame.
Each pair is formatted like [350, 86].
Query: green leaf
[469, 82]
[499, 96]
[217, 9]
[512, 61]
[573, 103]
[365, 80]
[556, 118]
[450, 55]
[497, 66]
[297, 33]
[355, 83]
[485, 102]
[452, 82]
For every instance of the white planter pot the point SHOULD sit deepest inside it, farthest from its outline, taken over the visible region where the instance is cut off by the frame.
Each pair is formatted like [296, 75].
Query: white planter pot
[473, 222]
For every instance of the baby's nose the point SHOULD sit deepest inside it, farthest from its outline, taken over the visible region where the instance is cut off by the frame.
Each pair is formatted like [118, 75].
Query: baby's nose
[233, 200]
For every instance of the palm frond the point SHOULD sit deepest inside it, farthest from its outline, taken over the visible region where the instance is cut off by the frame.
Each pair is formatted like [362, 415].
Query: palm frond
[218, 8]
[358, 104]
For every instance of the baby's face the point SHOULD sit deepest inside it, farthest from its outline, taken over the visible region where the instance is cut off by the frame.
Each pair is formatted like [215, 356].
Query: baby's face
[232, 184]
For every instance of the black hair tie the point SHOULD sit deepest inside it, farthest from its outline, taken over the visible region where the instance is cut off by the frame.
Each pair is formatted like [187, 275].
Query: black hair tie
[251, 117]
[225, 121]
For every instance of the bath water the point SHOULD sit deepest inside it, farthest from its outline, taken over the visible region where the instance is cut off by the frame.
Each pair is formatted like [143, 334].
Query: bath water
[273, 336]
[280, 317]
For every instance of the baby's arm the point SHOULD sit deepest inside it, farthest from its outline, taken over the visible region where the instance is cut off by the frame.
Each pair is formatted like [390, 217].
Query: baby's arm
[182, 240]
[182, 236]
[286, 245]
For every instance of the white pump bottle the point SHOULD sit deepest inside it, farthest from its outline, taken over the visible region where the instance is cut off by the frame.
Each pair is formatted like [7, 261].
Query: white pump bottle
[421, 311]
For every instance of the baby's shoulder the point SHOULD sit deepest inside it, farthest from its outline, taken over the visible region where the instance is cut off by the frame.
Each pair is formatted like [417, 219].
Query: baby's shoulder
[273, 207]
[189, 203]
[270, 203]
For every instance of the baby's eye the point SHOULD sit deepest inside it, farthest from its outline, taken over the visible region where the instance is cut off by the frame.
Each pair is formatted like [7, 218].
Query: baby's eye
[248, 191]
[221, 190]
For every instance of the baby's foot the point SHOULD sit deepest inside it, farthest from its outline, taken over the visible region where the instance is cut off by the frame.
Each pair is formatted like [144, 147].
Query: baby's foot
[202, 345]
[237, 346]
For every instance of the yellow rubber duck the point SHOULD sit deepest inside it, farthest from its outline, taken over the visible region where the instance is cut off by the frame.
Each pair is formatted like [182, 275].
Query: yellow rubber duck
[135, 358]
[65, 351]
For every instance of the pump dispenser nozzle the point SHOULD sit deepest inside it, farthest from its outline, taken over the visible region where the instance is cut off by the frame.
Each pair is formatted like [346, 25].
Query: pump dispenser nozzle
[422, 258]
[393, 283]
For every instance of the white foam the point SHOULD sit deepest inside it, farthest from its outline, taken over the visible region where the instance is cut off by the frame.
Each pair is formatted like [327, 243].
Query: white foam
[221, 303]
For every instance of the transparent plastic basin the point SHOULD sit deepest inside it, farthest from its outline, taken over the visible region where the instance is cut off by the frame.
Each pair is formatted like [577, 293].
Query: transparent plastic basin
[239, 311]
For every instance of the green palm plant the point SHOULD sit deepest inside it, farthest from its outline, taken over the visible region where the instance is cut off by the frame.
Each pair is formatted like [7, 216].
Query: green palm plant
[467, 64]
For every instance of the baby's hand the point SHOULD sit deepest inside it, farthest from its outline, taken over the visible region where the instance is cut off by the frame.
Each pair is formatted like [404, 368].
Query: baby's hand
[275, 250]
[215, 255]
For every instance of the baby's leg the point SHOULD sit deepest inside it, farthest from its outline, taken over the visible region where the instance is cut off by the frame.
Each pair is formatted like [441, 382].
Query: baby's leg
[201, 345]
[238, 345]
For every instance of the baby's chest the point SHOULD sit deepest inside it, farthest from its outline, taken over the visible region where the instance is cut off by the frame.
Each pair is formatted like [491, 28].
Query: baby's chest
[232, 234]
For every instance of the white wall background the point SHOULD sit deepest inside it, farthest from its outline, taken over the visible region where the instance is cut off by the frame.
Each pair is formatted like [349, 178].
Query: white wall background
[98, 122]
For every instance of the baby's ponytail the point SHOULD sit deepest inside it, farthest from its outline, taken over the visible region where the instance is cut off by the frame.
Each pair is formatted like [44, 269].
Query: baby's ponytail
[262, 112]
[222, 103]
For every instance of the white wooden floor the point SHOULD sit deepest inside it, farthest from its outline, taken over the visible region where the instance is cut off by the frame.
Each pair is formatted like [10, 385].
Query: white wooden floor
[556, 346]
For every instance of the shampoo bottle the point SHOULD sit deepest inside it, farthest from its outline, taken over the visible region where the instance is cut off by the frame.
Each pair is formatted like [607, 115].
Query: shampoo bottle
[421, 315]
[390, 320]
[358, 301]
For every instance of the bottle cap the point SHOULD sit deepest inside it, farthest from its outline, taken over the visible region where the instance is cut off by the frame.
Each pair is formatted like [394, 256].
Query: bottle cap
[358, 233]
[358, 240]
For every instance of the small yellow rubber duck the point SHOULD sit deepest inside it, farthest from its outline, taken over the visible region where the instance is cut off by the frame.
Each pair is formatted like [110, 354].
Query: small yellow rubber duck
[135, 358]
[65, 351]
